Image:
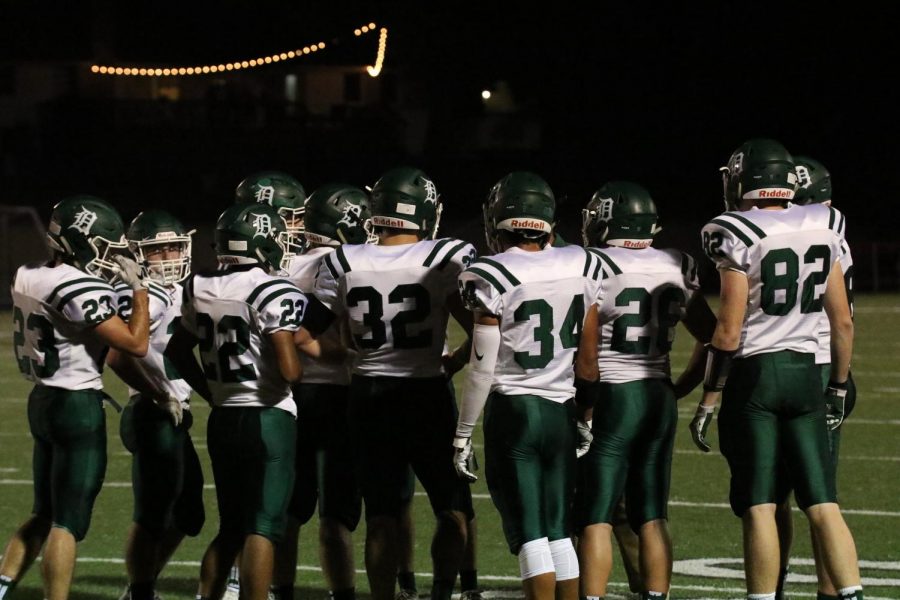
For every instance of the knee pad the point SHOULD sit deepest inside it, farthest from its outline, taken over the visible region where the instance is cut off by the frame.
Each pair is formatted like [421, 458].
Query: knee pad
[565, 561]
[535, 558]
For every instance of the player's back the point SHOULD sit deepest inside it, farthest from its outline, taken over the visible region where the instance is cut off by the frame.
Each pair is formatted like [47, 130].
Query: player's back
[232, 312]
[395, 299]
[541, 299]
[53, 310]
[786, 255]
[644, 296]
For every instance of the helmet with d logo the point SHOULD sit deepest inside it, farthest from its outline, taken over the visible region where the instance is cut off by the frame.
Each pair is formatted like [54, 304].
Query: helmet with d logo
[337, 214]
[814, 181]
[250, 234]
[285, 194]
[87, 231]
[406, 198]
[620, 213]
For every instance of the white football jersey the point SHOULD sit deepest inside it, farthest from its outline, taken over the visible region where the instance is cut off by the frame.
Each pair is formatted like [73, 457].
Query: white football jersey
[232, 312]
[786, 255]
[302, 273]
[395, 300]
[54, 309]
[644, 295]
[165, 312]
[541, 299]
[823, 354]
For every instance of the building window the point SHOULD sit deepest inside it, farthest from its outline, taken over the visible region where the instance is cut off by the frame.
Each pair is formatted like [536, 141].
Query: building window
[290, 88]
[352, 87]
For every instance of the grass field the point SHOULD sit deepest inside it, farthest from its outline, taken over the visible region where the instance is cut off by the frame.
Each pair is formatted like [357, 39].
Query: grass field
[706, 534]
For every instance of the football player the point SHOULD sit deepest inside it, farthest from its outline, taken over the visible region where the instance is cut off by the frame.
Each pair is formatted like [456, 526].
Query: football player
[780, 266]
[243, 319]
[285, 194]
[814, 186]
[397, 296]
[64, 315]
[166, 476]
[530, 301]
[646, 293]
[335, 214]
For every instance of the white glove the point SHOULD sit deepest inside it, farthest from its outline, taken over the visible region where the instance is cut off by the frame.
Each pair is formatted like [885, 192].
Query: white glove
[171, 406]
[700, 424]
[129, 272]
[464, 459]
[585, 437]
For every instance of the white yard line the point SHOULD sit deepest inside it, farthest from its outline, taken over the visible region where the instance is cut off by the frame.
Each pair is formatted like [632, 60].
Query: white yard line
[681, 569]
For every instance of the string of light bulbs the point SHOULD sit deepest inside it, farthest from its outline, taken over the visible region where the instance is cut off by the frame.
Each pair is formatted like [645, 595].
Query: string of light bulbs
[160, 71]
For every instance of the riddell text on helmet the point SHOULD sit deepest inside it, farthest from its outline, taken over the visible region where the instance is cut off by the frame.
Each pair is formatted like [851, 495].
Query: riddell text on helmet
[776, 194]
[527, 224]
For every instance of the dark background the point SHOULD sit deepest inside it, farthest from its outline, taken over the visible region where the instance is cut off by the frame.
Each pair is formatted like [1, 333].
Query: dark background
[660, 93]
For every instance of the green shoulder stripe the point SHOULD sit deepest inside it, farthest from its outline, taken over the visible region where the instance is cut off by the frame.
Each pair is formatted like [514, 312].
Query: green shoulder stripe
[161, 296]
[339, 253]
[75, 293]
[434, 252]
[326, 260]
[276, 294]
[502, 269]
[832, 218]
[71, 282]
[733, 229]
[748, 224]
[487, 277]
[446, 260]
[262, 287]
[609, 262]
[593, 260]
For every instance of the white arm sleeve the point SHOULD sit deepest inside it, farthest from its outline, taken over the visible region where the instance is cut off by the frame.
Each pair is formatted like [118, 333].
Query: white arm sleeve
[479, 377]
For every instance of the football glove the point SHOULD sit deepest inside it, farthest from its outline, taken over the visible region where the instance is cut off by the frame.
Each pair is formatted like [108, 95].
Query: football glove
[839, 398]
[129, 272]
[700, 424]
[172, 407]
[585, 437]
[464, 459]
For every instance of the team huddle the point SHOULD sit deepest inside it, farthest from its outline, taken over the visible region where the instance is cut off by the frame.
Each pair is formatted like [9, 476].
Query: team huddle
[320, 342]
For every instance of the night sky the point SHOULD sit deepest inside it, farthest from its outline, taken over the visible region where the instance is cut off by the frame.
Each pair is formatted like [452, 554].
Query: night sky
[625, 90]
